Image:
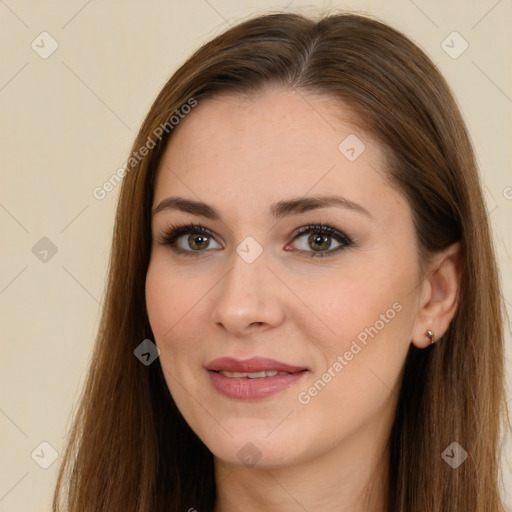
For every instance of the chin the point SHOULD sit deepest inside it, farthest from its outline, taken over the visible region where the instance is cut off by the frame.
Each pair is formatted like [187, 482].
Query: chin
[254, 449]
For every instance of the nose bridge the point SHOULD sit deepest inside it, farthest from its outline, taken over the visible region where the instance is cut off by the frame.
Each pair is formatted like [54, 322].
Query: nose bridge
[245, 295]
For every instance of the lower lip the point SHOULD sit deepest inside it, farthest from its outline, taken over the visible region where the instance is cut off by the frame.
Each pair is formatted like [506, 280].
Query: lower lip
[253, 389]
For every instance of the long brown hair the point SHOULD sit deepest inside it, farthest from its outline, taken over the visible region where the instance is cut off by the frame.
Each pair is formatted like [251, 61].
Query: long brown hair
[130, 449]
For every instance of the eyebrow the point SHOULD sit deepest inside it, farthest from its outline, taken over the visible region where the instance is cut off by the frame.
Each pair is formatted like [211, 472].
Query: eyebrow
[279, 210]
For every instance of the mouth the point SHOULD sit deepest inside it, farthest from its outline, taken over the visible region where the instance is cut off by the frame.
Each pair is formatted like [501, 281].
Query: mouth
[254, 378]
[255, 367]
[253, 375]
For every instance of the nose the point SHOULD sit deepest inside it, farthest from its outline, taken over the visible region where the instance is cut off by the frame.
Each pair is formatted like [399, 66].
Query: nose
[248, 298]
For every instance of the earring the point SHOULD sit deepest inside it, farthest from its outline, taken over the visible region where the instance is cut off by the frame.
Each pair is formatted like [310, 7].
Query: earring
[431, 337]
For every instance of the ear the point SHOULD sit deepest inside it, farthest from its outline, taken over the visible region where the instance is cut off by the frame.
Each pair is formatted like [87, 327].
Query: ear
[439, 296]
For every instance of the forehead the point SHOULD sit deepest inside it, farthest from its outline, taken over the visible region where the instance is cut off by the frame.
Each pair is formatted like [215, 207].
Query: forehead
[277, 143]
[276, 120]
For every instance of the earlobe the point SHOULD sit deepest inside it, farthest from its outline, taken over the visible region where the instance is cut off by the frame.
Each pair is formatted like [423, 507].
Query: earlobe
[439, 297]
[431, 336]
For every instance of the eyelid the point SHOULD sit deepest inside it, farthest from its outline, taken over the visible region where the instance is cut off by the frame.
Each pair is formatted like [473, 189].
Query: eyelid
[324, 229]
[174, 232]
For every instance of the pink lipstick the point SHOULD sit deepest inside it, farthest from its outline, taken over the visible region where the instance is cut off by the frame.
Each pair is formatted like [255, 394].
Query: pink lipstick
[252, 379]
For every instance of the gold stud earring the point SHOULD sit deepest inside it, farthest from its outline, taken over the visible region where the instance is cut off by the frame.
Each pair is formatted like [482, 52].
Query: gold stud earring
[431, 336]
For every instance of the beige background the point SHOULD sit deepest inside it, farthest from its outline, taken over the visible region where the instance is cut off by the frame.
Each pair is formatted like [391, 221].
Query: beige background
[67, 123]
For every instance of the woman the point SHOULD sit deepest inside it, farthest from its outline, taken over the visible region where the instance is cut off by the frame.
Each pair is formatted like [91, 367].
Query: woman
[303, 308]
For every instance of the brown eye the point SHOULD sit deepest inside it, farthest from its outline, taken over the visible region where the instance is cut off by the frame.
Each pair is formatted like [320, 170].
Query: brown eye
[189, 239]
[197, 242]
[320, 240]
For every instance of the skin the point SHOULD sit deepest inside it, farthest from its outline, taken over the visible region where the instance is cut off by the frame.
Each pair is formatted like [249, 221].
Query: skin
[240, 155]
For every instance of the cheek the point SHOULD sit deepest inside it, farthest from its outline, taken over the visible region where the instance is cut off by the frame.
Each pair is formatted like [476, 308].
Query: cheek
[359, 376]
[159, 300]
[378, 330]
[170, 297]
[174, 303]
[365, 302]
[370, 315]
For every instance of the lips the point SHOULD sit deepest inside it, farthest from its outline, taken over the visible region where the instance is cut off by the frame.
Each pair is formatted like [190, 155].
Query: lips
[253, 379]
[252, 365]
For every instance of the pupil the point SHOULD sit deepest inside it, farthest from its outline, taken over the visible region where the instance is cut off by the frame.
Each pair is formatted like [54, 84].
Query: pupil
[202, 241]
[319, 239]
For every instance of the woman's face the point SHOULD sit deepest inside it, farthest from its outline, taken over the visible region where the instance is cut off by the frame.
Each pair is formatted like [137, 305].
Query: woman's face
[339, 307]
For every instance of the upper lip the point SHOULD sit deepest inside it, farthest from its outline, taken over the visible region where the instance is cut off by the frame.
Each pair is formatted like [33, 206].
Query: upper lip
[254, 364]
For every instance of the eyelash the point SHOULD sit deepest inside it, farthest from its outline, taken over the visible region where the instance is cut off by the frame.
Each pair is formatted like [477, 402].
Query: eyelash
[176, 231]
